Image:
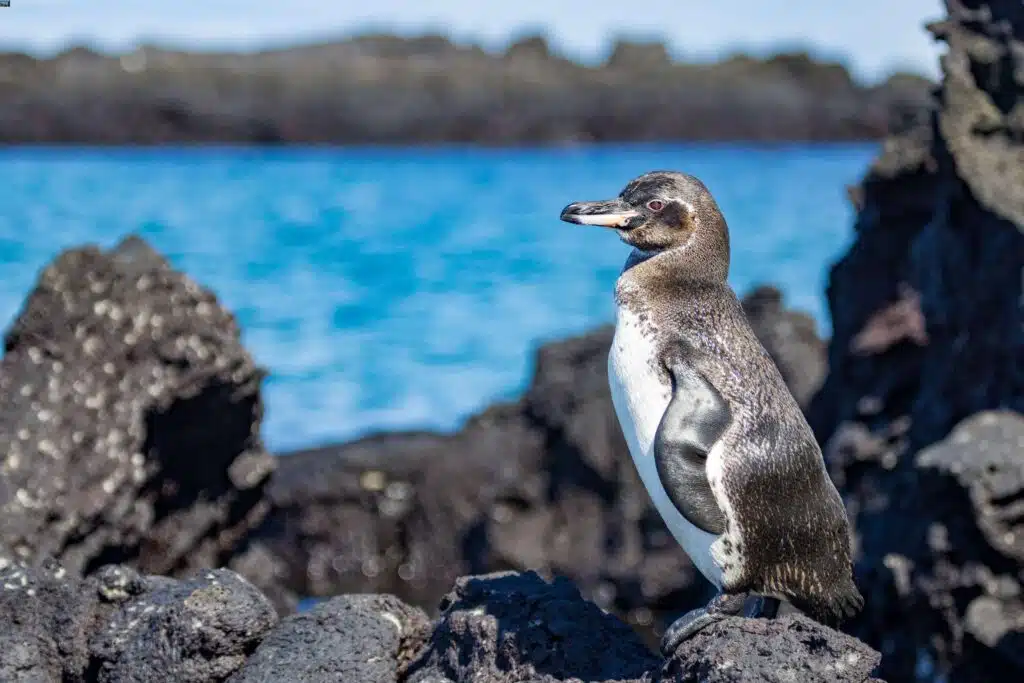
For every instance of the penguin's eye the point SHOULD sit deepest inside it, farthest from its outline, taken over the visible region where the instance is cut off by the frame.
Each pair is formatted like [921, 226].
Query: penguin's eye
[655, 205]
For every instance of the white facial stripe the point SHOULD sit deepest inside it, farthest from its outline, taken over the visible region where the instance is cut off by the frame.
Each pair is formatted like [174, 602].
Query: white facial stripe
[606, 220]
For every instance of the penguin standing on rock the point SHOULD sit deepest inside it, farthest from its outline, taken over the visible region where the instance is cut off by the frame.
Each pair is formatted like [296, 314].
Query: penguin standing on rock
[718, 440]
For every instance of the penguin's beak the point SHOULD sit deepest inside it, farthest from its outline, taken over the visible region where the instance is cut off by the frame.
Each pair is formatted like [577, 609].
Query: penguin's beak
[608, 214]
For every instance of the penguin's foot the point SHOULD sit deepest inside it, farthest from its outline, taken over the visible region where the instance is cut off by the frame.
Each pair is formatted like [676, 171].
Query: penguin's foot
[682, 629]
[763, 607]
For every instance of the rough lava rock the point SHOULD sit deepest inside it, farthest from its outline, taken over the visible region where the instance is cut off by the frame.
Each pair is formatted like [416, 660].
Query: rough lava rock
[506, 627]
[118, 626]
[517, 627]
[927, 332]
[974, 578]
[195, 630]
[122, 627]
[129, 419]
[783, 650]
[393, 513]
[926, 303]
[365, 638]
[45, 616]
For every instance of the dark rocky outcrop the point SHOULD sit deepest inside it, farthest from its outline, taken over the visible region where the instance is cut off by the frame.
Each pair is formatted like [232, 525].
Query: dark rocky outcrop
[926, 309]
[975, 576]
[386, 89]
[946, 601]
[122, 627]
[129, 419]
[936, 261]
[791, 648]
[515, 627]
[365, 638]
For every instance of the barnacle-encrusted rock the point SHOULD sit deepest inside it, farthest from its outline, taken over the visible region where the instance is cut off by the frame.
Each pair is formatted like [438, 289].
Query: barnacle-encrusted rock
[129, 418]
[119, 626]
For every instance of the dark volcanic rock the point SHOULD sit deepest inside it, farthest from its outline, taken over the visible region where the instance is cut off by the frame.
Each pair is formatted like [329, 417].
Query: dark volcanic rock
[790, 338]
[129, 419]
[395, 513]
[516, 627]
[984, 463]
[386, 89]
[926, 310]
[122, 627]
[365, 638]
[196, 630]
[937, 262]
[974, 574]
[118, 626]
[784, 650]
[45, 621]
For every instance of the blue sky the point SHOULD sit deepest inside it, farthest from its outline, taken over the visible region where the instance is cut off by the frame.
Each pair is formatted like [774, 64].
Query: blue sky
[873, 36]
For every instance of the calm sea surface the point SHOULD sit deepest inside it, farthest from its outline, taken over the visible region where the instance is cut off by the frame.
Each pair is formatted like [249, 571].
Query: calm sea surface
[408, 288]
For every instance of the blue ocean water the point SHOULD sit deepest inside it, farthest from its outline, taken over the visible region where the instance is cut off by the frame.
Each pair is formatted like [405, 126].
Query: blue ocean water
[406, 288]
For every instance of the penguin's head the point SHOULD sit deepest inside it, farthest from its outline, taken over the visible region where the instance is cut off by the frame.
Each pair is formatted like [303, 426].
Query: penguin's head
[660, 211]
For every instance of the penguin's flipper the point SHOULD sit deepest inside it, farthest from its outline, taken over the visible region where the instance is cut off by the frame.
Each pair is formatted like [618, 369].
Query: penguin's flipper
[695, 419]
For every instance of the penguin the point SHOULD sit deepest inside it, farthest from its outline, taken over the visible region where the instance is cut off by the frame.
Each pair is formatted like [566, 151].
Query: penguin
[717, 438]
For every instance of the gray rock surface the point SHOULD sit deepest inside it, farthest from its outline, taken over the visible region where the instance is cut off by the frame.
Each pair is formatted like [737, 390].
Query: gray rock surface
[365, 638]
[507, 627]
[118, 626]
[785, 650]
[974, 574]
[122, 627]
[196, 630]
[45, 617]
[517, 627]
[129, 419]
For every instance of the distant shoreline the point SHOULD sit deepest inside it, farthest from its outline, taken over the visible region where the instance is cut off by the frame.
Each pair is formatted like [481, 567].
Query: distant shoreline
[387, 90]
[439, 147]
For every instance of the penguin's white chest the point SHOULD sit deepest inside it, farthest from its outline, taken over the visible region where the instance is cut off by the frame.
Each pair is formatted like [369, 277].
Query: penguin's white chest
[640, 397]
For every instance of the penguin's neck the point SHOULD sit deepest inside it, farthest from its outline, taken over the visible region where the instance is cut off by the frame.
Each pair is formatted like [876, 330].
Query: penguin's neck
[636, 257]
[669, 268]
